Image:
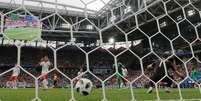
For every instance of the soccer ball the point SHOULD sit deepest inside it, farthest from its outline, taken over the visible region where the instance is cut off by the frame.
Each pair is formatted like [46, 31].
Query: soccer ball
[84, 86]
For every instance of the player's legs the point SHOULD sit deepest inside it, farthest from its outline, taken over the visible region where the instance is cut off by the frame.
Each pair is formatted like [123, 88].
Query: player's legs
[119, 82]
[13, 80]
[155, 78]
[15, 84]
[74, 82]
[168, 84]
[168, 81]
[195, 79]
[45, 81]
[12, 83]
[125, 81]
[55, 83]
[113, 80]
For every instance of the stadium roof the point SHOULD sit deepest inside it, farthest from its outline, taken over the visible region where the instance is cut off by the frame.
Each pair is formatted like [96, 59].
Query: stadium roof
[92, 6]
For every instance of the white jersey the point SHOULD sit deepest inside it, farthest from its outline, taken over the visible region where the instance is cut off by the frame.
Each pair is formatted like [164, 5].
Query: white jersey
[16, 71]
[79, 75]
[125, 72]
[45, 66]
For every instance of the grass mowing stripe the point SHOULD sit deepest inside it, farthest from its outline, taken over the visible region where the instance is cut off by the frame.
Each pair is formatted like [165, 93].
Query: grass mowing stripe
[112, 95]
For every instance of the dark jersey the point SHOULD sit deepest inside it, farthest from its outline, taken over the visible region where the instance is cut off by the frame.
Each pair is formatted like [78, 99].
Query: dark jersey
[159, 72]
[160, 69]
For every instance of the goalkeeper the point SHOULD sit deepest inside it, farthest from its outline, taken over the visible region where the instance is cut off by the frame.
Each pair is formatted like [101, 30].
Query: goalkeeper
[159, 72]
[194, 76]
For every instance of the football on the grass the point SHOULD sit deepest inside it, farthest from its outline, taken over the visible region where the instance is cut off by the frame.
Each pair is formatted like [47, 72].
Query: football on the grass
[84, 86]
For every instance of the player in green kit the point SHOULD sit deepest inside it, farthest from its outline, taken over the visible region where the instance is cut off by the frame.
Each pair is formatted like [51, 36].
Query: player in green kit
[119, 74]
[194, 75]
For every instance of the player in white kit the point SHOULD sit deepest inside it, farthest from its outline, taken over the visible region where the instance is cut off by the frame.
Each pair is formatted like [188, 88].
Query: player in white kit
[45, 63]
[78, 76]
[13, 78]
[125, 75]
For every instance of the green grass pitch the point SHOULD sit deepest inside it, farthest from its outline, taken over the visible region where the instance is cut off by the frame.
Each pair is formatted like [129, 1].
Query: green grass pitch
[23, 33]
[61, 94]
